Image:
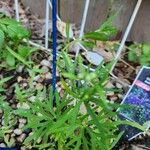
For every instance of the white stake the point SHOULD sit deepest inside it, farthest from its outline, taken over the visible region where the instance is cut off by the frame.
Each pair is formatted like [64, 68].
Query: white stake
[17, 10]
[46, 24]
[128, 29]
[50, 3]
[84, 18]
[87, 3]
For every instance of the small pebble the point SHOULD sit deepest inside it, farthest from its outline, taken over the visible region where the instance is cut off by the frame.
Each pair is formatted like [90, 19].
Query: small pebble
[19, 79]
[21, 137]
[45, 69]
[22, 120]
[109, 85]
[13, 135]
[36, 78]
[48, 75]
[23, 106]
[2, 145]
[20, 69]
[114, 98]
[119, 86]
[39, 140]
[13, 106]
[18, 131]
[21, 125]
[39, 86]
[32, 98]
[24, 85]
[45, 63]
[23, 148]
[39, 114]
[120, 96]
[110, 93]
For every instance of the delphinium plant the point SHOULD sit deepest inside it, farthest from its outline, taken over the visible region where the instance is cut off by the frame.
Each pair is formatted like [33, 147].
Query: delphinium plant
[81, 117]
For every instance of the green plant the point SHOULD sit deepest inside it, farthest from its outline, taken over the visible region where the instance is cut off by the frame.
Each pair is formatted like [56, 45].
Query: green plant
[67, 125]
[7, 122]
[12, 48]
[104, 33]
[139, 53]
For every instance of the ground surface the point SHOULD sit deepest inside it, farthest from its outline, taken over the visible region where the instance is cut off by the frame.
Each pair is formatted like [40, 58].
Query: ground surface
[125, 71]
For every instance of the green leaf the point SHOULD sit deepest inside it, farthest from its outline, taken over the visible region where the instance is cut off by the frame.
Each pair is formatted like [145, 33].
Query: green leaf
[8, 21]
[101, 36]
[10, 60]
[23, 51]
[116, 140]
[17, 32]
[132, 56]
[17, 56]
[146, 49]
[2, 38]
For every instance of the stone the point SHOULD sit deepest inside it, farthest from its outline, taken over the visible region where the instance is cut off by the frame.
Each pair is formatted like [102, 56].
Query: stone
[45, 63]
[39, 86]
[114, 98]
[45, 69]
[23, 106]
[94, 58]
[109, 85]
[110, 93]
[23, 148]
[24, 85]
[20, 69]
[32, 99]
[22, 121]
[21, 137]
[2, 145]
[48, 75]
[13, 135]
[21, 125]
[83, 109]
[120, 96]
[18, 131]
[19, 79]
[119, 86]
[36, 78]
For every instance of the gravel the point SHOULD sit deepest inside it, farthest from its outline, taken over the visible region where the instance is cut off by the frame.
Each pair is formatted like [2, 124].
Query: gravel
[45, 63]
[18, 131]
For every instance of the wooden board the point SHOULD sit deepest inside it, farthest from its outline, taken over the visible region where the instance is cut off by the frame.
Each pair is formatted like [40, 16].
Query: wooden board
[71, 10]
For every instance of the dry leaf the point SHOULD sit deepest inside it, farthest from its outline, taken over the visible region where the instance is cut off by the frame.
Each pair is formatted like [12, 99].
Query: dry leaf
[62, 26]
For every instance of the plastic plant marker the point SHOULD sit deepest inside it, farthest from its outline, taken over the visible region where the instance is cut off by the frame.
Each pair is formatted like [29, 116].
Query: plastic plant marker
[94, 58]
[138, 99]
